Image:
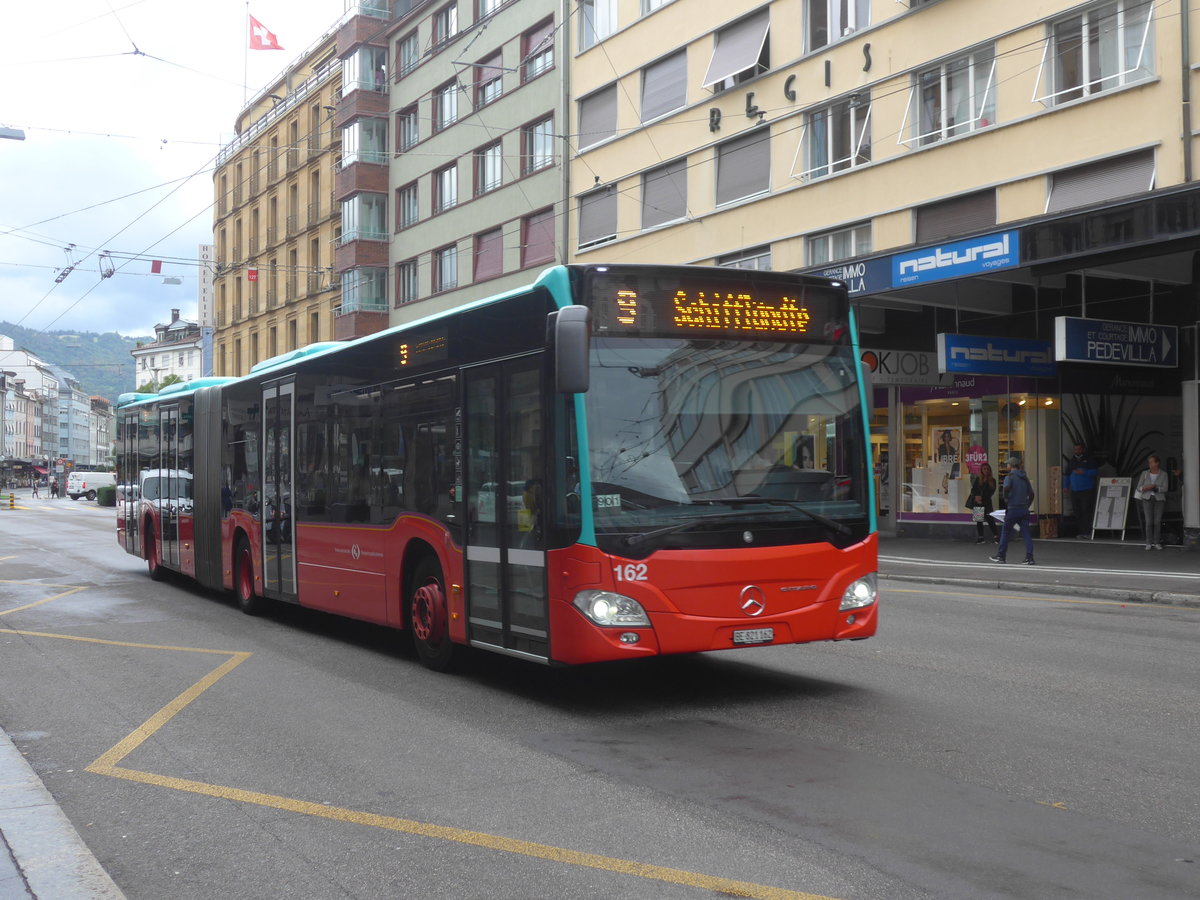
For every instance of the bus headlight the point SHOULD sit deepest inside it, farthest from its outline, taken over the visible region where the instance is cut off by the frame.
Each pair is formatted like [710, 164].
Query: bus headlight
[607, 608]
[860, 593]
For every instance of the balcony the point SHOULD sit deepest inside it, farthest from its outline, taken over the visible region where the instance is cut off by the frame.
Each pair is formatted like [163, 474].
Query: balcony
[272, 298]
[355, 323]
[360, 177]
[314, 214]
[293, 225]
[272, 235]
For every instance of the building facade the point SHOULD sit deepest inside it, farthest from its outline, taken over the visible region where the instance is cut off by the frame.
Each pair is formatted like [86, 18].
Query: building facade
[276, 223]
[452, 173]
[1008, 190]
[40, 387]
[177, 350]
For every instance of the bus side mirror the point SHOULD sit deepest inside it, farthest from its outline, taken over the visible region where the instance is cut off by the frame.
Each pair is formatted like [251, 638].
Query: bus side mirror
[572, 341]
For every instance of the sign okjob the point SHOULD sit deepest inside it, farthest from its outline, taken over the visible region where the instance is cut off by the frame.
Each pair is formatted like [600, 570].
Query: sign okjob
[994, 355]
[973, 256]
[1115, 343]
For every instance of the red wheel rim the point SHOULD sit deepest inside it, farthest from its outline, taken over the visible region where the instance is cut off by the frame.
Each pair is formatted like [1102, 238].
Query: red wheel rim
[429, 612]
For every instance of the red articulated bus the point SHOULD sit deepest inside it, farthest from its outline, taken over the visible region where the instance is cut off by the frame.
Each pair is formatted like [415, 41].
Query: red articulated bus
[614, 462]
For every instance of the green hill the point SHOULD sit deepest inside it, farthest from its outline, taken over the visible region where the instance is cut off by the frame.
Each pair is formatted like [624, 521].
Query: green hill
[101, 362]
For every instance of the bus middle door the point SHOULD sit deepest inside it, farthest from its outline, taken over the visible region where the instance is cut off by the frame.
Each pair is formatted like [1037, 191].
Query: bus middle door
[505, 474]
[278, 513]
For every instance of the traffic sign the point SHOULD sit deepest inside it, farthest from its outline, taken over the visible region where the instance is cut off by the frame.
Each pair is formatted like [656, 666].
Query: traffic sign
[1115, 343]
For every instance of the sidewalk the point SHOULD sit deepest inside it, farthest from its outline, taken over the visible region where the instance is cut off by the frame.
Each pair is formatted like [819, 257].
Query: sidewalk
[1104, 568]
[42, 857]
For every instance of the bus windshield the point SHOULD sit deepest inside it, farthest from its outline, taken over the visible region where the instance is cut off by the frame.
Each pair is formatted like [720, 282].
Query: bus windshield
[697, 442]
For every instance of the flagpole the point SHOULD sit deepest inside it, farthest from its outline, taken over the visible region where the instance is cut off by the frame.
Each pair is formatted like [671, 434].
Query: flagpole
[246, 58]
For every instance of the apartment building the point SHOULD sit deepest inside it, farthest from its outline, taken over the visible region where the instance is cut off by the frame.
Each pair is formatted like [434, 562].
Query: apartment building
[276, 223]
[452, 175]
[177, 349]
[1007, 189]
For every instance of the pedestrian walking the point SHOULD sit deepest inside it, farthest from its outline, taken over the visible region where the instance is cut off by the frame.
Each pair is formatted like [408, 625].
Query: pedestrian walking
[53, 488]
[1018, 495]
[1081, 480]
[979, 501]
[1151, 492]
[35, 495]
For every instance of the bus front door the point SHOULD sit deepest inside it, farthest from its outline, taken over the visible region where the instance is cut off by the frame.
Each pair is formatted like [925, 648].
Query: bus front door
[504, 477]
[129, 481]
[278, 520]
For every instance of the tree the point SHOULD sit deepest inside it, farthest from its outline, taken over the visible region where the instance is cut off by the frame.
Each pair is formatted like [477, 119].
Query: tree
[153, 387]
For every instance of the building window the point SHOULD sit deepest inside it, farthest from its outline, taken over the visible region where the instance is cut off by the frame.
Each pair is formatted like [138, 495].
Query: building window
[537, 50]
[364, 289]
[407, 128]
[597, 217]
[740, 52]
[489, 254]
[837, 137]
[445, 188]
[664, 86]
[487, 7]
[649, 6]
[753, 258]
[365, 68]
[489, 163]
[445, 105]
[955, 217]
[408, 53]
[956, 97]
[664, 194]
[445, 268]
[445, 24]
[406, 282]
[1104, 47]
[845, 243]
[597, 20]
[537, 145]
[1108, 179]
[537, 237]
[744, 166]
[364, 140]
[488, 80]
[364, 217]
[827, 21]
[407, 211]
[598, 116]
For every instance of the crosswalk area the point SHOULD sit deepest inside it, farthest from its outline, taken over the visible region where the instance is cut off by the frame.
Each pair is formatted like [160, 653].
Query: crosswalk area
[61, 505]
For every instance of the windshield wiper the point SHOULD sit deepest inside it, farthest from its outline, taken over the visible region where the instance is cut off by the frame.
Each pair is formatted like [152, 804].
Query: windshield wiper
[832, 524]
[632, 539]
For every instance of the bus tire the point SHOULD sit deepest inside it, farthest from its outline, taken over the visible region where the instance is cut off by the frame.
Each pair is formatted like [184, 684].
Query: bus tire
[153, 561]
[243, 580]
[429, 619]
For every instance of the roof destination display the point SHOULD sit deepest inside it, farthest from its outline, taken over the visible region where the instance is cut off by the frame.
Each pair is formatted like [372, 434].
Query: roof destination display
[1115, 343]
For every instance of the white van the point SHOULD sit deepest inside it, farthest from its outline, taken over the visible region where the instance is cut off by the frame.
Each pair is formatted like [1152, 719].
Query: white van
[84, 484]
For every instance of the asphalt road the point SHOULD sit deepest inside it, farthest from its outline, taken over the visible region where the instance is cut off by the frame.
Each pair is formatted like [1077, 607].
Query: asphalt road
[985, 744]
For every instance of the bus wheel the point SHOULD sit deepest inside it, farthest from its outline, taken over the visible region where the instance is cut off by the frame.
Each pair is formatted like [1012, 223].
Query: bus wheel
[243, 580]
[429, 618]
[153, 560]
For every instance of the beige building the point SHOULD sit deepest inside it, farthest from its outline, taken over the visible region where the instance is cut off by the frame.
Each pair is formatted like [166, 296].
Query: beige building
[463, 199]
[276, 223]
[976, 171]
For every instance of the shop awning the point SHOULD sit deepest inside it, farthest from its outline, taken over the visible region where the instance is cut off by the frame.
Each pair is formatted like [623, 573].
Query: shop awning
[40, 470]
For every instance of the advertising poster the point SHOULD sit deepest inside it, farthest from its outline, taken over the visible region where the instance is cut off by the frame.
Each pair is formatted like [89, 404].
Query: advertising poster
[947, 450]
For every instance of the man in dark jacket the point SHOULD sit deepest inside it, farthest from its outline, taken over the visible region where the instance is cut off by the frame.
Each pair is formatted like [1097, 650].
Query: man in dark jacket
[1018, 498]
[1081, 480]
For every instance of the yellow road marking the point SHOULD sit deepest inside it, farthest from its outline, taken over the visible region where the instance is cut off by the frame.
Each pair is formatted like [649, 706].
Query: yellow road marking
[107, 764]
[1030, 596]
[1056, 804]
[67, 593]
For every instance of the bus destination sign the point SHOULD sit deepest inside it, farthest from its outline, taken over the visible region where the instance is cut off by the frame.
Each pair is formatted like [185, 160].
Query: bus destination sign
[773, 309]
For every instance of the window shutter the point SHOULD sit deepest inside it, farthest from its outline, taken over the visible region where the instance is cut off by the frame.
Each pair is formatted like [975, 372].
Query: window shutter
[737, 48]
[955, 217]
[744, 166]
[597, 216]
[539, 237]
[664, 86]
[489, 258]
[1100, 181]
[598, 116]
[664, 194]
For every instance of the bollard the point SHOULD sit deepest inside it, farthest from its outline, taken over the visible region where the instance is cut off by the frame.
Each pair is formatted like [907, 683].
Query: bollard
[12, 500]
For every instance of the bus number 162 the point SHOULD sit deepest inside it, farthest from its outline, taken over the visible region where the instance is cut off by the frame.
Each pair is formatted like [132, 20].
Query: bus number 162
[630, 572]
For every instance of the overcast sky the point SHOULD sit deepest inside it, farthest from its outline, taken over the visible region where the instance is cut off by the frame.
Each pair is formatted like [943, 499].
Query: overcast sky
[124, 105]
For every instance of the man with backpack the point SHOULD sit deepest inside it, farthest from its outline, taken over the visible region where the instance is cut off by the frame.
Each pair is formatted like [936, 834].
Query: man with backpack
[1018, 498]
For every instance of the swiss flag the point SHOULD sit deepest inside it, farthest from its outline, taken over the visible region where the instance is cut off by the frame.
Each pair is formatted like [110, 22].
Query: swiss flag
[260, 38]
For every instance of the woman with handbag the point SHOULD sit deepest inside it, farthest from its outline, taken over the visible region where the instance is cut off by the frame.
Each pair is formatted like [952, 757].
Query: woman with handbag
[979, 501]
[1151, 490]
